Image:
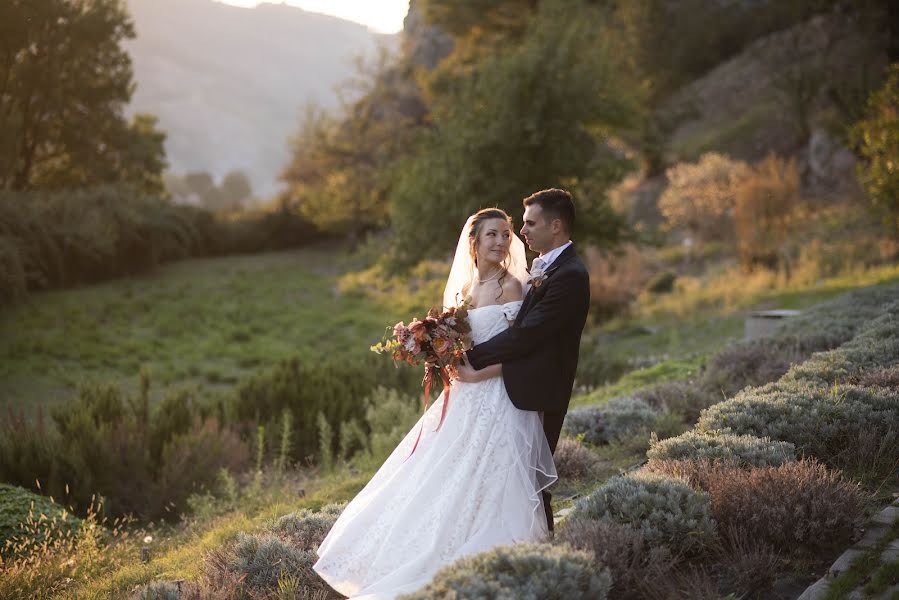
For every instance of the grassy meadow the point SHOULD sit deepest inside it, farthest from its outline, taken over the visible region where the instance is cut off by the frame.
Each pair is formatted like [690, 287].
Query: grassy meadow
[203, 323]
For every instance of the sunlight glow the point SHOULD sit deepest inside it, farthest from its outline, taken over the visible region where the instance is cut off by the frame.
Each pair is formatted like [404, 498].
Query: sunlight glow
[383, 16]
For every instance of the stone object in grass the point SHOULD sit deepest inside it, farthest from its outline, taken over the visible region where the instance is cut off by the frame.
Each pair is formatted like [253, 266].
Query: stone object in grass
[761, 323]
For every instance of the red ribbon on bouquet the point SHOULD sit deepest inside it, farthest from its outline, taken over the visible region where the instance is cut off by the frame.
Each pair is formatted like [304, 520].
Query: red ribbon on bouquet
[426, 383]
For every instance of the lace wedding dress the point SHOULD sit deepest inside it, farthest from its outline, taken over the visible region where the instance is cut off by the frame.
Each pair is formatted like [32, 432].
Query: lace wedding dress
[471, 485]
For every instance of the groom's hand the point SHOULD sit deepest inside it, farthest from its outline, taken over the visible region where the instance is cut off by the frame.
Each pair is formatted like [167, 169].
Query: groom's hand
[468, 374]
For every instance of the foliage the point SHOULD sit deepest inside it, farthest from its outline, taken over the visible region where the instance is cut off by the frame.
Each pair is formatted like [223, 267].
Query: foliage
[53, 553]
[520, 120]
[875, 347]
[342, 166]
[144, 463]
[519, 571]
[757, 362]
[636, 567]
[574, 461]
[795, 507]
[618, 418]
[19, 508]
[258, 564]
[684, 398]
[819, 421]
[700, 197]
[661, 283]
[333, 388]
[666, 510]
[63, 99]
[741, 450]
[232, 194]
[667, 45]
[877, 137]
[764, 203]
[389, 415]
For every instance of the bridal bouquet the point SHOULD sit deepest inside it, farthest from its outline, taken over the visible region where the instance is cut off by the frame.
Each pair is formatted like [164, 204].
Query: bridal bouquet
[438, 342]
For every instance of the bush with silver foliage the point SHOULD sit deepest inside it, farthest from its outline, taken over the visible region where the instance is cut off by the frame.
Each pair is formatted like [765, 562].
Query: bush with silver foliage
[519, 571]
[668, 511]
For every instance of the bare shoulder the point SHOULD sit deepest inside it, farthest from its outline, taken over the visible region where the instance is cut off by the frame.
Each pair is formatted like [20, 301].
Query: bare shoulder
[512, 289]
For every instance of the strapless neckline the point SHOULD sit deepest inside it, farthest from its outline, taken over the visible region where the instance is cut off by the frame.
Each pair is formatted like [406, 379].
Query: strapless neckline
[474, 308]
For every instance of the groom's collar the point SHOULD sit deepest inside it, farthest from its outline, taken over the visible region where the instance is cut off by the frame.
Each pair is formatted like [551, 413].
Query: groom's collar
[550, 257]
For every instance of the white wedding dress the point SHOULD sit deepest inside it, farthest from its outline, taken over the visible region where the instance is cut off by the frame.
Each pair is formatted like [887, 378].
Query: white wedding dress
[472, 485]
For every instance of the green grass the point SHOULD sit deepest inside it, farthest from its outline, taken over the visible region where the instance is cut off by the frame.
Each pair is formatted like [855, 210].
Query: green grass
[202, 322]
[866, 568]
[178, 552]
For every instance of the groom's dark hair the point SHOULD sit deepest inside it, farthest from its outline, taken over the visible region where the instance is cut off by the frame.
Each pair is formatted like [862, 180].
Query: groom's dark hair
[555, 204]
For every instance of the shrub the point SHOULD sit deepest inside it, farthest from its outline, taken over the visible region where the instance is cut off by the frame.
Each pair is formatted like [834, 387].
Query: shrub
[839, 320]
[616, 279]
[886, 378]
[19, 507]
[764, 203]
[259, 564]
[740, 450]
[666, 510]
[519, 571]
[701, 196]
[661, 283]
[819, 421]
[877, 137]
[54, 239]
[685, 398]
[103, 442]
[335, 388]
[305, 528]
[797, 506]
[389, 415]
[159, 590]
[634, 565]
[748, 565]
[756, 362]
[13, 283]
[574, 461]
[875, 347]
[259, 561]
[617, 419]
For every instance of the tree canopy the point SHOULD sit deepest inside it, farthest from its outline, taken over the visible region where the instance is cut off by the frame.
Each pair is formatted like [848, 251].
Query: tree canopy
[64, 82]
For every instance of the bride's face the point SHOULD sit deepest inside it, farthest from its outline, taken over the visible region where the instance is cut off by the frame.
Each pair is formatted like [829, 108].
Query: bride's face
[494, 240]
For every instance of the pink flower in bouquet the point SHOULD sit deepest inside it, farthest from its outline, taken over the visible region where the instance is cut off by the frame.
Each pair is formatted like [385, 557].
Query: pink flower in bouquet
[401, 332]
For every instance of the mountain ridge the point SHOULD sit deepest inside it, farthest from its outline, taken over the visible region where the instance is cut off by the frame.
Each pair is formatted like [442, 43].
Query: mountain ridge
[228, 83]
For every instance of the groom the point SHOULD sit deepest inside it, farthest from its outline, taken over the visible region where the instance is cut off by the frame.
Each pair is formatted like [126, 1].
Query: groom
[539, 352]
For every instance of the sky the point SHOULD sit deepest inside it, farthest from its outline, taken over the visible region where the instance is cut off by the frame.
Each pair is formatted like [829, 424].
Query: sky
[383, 16]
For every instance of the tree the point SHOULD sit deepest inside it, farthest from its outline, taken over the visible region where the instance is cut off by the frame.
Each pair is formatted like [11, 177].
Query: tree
[341, 171]
[765, 202]
[877, 138]
[700, 197]
[236, 188]
[64, 82]
[529, 118]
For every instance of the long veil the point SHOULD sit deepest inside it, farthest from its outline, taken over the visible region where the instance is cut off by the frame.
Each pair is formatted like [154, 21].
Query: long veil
[463, 270]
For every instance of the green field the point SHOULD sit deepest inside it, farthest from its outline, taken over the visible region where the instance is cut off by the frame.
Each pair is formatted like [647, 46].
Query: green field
[205, 322]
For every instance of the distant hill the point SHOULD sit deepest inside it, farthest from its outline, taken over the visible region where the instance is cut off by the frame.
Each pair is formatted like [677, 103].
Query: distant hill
[228, 83]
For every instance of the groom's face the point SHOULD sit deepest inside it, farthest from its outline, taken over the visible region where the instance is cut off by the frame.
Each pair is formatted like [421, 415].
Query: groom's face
[536, 231]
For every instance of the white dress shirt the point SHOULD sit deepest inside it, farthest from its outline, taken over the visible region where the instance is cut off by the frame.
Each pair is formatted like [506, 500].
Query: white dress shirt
[545, 260]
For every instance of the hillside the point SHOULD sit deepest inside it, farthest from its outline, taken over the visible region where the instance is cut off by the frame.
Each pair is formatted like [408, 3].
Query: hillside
[228, 83]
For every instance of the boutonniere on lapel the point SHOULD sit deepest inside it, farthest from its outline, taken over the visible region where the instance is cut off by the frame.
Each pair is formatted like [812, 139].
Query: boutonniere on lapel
[537, 276]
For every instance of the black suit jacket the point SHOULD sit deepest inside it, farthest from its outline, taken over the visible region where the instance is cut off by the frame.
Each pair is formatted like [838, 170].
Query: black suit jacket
[539, 352]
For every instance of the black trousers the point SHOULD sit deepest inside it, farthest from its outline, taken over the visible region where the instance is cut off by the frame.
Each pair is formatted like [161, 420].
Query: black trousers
[552, 427]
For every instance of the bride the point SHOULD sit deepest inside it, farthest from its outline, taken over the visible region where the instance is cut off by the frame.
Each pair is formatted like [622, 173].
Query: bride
[473, 484]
